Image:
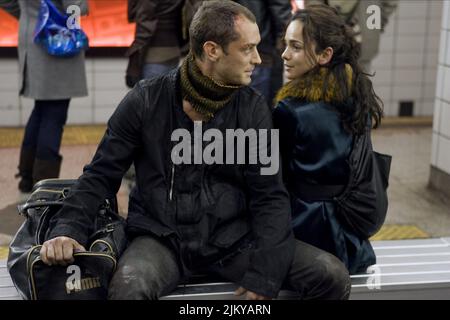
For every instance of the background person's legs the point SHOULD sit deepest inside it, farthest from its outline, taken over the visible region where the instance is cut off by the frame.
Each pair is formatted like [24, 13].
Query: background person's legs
[148, 269]
[28, 149]
[314, 273]
[53, 118]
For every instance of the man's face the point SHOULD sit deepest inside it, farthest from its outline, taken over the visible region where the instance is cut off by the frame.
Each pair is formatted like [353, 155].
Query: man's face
[235, 65]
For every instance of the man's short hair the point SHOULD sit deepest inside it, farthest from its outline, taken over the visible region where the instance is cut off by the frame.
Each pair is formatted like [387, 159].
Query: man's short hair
[214, 21]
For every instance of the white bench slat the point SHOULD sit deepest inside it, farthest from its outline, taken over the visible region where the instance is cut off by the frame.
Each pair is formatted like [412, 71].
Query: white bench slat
[408, 242]
[414, 267]
[416, 251]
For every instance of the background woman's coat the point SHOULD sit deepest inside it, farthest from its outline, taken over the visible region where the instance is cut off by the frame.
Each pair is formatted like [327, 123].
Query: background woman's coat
[45, 77]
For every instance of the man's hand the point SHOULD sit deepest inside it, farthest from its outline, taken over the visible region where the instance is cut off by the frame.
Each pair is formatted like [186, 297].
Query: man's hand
[60, 251]
[250, 295]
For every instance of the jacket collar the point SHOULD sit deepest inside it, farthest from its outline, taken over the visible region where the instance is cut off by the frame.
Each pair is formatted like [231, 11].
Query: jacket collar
[310, 87]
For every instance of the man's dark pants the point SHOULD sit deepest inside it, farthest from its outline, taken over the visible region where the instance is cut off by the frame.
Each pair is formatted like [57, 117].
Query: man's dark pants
[149, 269]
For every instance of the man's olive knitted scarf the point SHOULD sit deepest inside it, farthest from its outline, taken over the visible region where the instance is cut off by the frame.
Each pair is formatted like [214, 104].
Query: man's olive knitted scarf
[206, 95]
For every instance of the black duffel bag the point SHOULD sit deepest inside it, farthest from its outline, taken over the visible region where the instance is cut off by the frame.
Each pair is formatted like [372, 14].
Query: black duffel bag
[87, 278]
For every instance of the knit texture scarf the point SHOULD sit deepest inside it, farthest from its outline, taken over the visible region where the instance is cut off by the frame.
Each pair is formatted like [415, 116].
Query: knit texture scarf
[206, 95]
[310, 87]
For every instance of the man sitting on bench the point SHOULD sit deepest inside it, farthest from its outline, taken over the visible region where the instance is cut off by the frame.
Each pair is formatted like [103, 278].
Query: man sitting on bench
[231, 219]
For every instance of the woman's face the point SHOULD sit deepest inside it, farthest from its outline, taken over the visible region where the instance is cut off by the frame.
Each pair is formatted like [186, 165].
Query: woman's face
[296, 62]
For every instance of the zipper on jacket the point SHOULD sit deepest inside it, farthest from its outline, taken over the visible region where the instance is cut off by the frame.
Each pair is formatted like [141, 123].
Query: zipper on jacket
[171, 182]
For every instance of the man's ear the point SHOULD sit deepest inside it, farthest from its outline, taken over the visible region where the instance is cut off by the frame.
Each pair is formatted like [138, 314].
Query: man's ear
[212, 51]
[325, 56]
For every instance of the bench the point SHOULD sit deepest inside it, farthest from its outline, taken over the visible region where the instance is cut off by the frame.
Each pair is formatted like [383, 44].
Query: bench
[405, 269]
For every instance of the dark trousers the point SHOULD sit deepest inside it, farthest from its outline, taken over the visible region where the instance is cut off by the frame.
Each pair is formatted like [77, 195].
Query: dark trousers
[149, 269]
[44, 128]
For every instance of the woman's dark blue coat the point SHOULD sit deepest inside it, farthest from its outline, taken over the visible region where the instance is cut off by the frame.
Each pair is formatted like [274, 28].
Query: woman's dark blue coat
[315, 147]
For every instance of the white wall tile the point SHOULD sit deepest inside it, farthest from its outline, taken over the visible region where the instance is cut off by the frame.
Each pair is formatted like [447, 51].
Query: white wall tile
[447, 55]
[435, 10]
[24, 115]
[430, 76]
[406, 93]
[108, 98]
[415, 26]
[384, 92]
[432, 42]
[109, 80]
[429, 92]
[410, 43]
[80, 116]
[446, 85]
[439, 81]
[110, 64]
[443, 46]
[407, 76]
[445, 15]
[9, 118]
[382, 77]
[437, 115]
[408, 59]
[9, 65]
[411, 9]
[9, 100]
[102, 115]
[443, 156]
[26, 103]
[434, 25]
[394, 108]
[386, 43]
[383, 61]
[82, 103]
[9, 81]
[444, 126]
[424, 108]
[434, 149]
[387, 107]
[90, 81]
[431, 59]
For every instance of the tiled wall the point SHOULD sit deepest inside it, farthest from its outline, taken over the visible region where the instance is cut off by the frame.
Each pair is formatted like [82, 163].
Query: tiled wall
[406, 69]
[406, 65]
[440, 156]
[106, 86]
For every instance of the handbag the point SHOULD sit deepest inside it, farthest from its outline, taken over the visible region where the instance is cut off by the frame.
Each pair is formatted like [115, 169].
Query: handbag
[87, 278]
[52, 33]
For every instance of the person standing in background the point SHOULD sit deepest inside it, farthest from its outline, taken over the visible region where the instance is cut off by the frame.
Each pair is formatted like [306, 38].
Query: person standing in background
[156, 47]
[355, 15]
[272, 17]
[51, 81]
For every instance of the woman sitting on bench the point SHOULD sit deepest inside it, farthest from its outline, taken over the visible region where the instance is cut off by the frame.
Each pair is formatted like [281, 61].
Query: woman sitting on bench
[319, 112]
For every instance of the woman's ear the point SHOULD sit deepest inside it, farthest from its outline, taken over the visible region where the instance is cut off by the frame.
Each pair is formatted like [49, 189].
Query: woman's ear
[325, 56]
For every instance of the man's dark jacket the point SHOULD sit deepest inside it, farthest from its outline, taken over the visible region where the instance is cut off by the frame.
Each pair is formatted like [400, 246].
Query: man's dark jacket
[203, 210]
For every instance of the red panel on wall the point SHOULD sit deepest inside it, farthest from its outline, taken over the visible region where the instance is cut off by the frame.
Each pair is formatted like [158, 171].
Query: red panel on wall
[106, 25]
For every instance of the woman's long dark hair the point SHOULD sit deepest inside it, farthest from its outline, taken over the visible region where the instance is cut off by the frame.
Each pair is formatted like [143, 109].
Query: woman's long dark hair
[323, 26]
